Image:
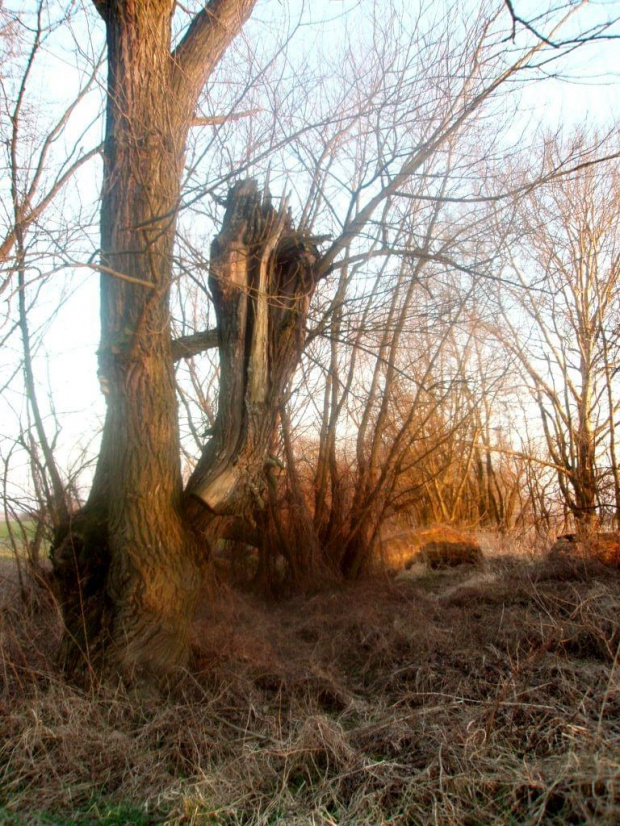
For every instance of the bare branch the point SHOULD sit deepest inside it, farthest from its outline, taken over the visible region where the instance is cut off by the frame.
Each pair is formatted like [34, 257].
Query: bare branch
[218, 120]
[187, 346]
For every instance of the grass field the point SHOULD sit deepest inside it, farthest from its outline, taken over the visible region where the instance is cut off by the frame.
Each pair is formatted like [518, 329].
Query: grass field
[450, 697]
[27, 525]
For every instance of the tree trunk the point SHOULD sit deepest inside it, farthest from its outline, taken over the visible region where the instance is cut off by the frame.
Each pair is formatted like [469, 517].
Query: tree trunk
[127, 565]
[263, 274]
[127, 570]
[584, 475]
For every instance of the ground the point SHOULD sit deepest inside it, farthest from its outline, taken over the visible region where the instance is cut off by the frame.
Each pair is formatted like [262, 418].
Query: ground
[460, 696]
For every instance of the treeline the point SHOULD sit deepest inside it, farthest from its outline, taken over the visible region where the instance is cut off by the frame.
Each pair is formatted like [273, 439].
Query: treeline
[477, 389]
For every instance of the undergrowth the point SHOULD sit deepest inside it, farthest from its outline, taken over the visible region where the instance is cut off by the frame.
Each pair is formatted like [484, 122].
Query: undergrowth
[464, 698]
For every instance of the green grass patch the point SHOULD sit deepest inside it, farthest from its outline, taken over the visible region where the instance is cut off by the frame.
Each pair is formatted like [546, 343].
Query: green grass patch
[28, 526]
[19, 528]
[100, 814]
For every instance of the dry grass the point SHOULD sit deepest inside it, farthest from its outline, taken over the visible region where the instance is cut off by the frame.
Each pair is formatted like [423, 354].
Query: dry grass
[601, 547]
[440, 546]
[446, 698]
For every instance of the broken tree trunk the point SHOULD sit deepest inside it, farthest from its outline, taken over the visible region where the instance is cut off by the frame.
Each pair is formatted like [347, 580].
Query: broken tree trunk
[128, 565]
[263, 274]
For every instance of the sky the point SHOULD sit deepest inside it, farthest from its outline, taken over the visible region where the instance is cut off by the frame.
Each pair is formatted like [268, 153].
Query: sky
[584, 88]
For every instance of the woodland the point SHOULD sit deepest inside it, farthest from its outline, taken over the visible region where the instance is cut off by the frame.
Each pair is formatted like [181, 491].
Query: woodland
[310, 358]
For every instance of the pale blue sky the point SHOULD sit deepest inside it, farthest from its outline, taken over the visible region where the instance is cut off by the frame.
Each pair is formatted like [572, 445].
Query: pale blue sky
[587, 90]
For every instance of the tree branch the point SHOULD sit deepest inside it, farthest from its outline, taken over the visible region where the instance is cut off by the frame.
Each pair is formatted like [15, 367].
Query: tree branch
[218, 120]
[597, 33]
[187, 346]
[210, 33]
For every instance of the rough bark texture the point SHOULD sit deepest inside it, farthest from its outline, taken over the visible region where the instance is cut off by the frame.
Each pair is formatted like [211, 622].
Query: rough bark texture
[127, 566]
[140, 559]
[263, 274]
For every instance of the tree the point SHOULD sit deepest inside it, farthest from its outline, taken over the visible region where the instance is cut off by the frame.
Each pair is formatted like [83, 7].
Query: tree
[561, 324]
[42, 156]
[130, 540]
[129, 563]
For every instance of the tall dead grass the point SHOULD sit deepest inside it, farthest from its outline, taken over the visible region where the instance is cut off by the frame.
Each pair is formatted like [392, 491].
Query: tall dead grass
[447, 699]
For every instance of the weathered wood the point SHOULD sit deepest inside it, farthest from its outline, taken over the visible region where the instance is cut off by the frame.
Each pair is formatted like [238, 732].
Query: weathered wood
[263, 274]
[185, 347]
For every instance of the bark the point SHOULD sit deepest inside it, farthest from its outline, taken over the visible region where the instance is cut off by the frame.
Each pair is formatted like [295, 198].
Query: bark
[263, 274]
[188, 346]
[127, 565]
[129, 542]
